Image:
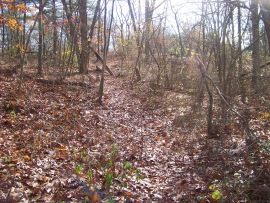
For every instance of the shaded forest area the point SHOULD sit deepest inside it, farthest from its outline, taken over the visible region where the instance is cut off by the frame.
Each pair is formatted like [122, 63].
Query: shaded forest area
[134, 101]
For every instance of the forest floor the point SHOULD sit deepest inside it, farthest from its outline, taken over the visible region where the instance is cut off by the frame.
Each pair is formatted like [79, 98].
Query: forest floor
[141, 145]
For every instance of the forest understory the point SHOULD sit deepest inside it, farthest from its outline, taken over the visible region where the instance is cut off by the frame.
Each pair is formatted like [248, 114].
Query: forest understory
[143, 144]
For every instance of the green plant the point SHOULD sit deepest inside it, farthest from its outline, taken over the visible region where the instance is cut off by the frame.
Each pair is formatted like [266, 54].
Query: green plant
[114, 150]
[86, 199]
[127, 166]
[216, 194]
[108, 180]
[73, 151]
[138, 175]
[111, 200]
[13, 113]
[115, 173]
[78, 169]
[84, 156]
[89, 175]
[7, 159]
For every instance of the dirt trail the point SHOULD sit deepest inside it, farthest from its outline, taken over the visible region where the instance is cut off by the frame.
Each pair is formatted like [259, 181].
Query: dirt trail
[147, 137]
[50, 131]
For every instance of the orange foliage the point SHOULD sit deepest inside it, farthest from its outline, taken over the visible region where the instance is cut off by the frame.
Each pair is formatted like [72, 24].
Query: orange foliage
[11, 21]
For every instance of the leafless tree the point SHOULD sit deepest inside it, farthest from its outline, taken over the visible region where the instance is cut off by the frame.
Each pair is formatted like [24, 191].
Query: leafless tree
[106, 39]
[255, 41]
[83, 63]
[265, 7]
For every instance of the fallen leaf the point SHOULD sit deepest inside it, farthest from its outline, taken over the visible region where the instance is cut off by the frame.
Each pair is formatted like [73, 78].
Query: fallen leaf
[27, 158]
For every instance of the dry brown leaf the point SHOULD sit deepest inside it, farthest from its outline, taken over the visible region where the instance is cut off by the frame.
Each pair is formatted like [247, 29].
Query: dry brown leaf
[96, 197]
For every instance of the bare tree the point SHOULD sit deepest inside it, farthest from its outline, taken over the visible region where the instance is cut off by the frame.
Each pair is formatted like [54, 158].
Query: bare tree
[138, 43]
[40, 38]
[54, 29]
[106, 37]
[240, 59]
[3, 32]
[255, 40]
[265, 8]
[149, 9]
[83, 63]
[94, 20]
[72, 35]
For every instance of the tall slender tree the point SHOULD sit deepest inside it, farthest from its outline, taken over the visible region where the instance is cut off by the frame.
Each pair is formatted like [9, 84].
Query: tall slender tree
[265, 10]
[149, 9]
[94, 20]
[240, 59]
[101, 85]
[255, 41]
[72, 35]
[3, 32]
[84, 41]
[40, 37]
[54, 28]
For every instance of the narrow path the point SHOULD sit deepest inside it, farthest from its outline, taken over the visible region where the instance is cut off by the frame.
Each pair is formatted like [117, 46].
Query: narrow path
[53, 135]
[148, 138]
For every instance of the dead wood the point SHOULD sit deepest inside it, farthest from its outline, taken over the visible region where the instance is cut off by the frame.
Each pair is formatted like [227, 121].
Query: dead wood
[101, 60]
[61, 82]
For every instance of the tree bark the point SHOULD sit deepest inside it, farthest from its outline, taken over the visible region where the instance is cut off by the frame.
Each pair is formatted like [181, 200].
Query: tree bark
[265, 10]
[240, 59]
[132, 16]
[101, 60]
[149, 8]
[110, 27]
[83, 64]
[101, 84]
[139, 47]
[40, 38]
[3, 32]
[54, 29]
[92, 28]
[256, 43]
[73, 34]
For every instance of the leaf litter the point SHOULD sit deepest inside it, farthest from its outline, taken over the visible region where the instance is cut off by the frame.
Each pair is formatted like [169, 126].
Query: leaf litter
[49, 133]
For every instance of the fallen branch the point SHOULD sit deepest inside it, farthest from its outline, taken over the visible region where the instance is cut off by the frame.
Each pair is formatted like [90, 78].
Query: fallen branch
[57, 82]
[61, 82]
[101, 60]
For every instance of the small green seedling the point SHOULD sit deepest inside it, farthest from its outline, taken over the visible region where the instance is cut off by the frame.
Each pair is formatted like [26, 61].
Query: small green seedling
[78, 169]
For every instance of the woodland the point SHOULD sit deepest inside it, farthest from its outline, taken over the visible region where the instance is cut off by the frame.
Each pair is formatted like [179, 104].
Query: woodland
[135, 101]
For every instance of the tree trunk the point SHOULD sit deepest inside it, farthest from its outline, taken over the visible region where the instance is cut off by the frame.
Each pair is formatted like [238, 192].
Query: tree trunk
[256, 42]
[101, 85]
[182, 48]
[40, 38]
[149, 8]
[110, 28]
[265, 10]
[240, 59]
[24, 29]
[83, 63]
[73, 31]
[54, 30]
[136, 69]
[3, 32]
[132, 16]
[92, 28]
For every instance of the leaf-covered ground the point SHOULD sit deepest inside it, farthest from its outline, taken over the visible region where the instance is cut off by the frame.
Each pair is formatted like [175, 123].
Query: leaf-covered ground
[56, 145]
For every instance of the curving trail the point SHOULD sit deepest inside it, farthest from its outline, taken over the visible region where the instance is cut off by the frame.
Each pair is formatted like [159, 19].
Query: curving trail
[144, 130]
[52, 135]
